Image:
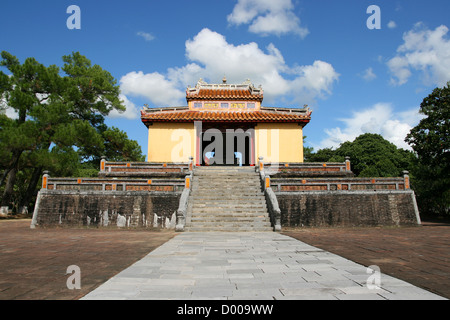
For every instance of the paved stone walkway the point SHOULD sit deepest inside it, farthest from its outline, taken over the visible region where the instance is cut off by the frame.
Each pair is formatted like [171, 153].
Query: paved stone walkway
[249, 266]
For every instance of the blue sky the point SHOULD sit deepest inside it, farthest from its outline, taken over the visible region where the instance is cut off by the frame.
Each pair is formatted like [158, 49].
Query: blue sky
[319, 53]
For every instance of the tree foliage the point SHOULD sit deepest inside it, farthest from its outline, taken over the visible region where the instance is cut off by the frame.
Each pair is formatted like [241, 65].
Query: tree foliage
[371, 156]
[429, 165]
[60, 121]
[430, 140]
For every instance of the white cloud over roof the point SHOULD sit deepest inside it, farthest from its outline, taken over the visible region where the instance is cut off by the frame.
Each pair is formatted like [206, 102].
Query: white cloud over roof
[267, 17]
[211, 57]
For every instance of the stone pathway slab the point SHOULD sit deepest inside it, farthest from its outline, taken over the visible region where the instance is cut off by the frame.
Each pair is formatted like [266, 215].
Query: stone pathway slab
[250, 266]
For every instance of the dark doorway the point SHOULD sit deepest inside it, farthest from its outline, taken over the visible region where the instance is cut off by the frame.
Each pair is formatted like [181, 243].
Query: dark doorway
[225, 145]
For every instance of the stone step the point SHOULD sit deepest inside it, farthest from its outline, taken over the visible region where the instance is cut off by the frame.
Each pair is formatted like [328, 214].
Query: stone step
[225, 193]
[197, 198]
[226, 196]
[211, 198]
[250, 176]
[247, 209]
[228, 229]
[230, 217]
[220, 203]
[227, 223]
[224, 174]
[230, 225]
[221, 192]
[227, 182]
[223, 184]
[225, 205]
[224, 169]
[227, 199]
[217, 216]
[226, 187]
[226, 177]
[229, 213]
[256, 205]
[254, 213]
[213, 208]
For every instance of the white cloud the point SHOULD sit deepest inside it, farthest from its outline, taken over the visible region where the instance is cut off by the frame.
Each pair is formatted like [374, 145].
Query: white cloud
[267, 17]
[147, 36]
[9, 112]
[379, 119]
[212, 57]
[391, 24]
[369, 75]
[427, 51]
[131, 112]
[152, 86]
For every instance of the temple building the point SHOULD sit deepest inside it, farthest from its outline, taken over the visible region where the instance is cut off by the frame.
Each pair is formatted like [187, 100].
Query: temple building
[185, 184]
[225, 124]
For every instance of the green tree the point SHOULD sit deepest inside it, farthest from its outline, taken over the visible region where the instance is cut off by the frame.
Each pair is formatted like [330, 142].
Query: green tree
[57, 110]
[322, 155]
[430, 140]
[373, 156]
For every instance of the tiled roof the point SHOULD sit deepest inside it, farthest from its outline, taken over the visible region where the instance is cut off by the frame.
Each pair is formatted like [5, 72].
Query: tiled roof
[223, 94]
[224, 116]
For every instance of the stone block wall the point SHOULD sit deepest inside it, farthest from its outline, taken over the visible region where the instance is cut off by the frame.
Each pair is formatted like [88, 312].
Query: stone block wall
[344, 208]
[104, 208]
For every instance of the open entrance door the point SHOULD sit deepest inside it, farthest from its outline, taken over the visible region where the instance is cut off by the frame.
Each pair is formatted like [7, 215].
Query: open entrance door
[224, 144]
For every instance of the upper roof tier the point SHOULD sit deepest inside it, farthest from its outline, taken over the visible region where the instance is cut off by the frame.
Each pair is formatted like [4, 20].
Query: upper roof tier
[226, 103]
[224, 91]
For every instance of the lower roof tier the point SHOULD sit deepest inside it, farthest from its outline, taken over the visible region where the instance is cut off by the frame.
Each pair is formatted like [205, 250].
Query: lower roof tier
[265, 114]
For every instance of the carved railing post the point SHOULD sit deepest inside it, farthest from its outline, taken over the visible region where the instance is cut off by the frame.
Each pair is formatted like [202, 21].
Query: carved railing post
[406, 180]
[274, 209]
[271, 198]
[45, 180]
[103, 164]
[182, 207]
[191, 164]
[347, 164]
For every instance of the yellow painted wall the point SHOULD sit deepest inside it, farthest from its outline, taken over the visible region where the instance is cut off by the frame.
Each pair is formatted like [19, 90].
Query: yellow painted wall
[175, 142]
[279, 142]
[171, 142]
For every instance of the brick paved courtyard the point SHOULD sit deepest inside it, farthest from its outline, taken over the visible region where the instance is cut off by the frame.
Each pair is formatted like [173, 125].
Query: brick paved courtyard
[34, 261]
[418, 255]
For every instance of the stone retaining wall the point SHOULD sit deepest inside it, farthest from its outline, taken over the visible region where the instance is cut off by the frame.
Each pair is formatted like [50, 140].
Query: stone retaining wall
[104, 208]
[348, 208]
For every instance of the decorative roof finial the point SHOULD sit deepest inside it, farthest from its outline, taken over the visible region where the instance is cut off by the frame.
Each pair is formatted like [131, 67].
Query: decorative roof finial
[224, 79]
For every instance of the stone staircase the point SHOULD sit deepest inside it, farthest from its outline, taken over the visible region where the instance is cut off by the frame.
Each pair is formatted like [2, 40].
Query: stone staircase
[227, 199]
